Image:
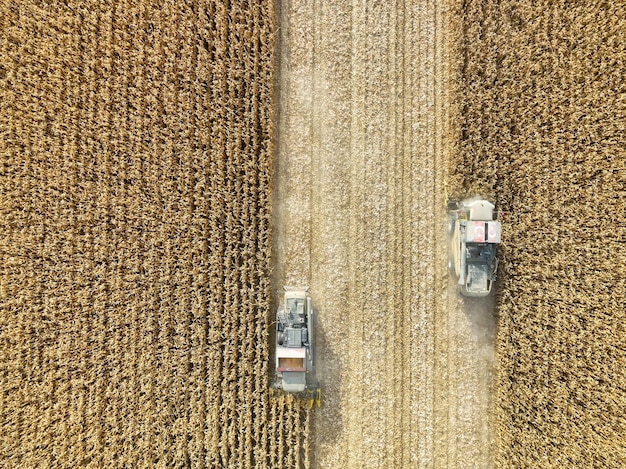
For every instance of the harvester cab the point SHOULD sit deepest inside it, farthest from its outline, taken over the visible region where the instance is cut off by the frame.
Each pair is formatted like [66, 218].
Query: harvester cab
[474, 233]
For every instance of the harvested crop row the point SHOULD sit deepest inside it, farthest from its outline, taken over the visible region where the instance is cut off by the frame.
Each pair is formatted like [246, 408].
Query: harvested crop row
[135, 173]
[540, 126]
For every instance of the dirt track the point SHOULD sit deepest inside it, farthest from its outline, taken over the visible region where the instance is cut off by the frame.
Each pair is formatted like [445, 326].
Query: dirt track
[359, 217]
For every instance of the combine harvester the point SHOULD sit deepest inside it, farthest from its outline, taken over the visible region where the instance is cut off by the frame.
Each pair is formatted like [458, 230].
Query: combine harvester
[294, 345]
[474, 234]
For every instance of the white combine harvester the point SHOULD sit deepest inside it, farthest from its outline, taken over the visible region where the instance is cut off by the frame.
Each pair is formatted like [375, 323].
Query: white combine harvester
[294, 344]
[474, 234]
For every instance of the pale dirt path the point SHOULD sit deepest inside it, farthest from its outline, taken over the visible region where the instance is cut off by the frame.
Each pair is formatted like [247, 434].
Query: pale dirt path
[359, 217]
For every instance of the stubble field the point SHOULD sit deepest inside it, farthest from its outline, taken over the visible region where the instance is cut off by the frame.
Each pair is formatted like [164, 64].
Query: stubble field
[359, 217]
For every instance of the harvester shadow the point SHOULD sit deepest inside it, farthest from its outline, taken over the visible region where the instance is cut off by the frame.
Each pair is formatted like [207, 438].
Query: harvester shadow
[481, 314]
[326, 420]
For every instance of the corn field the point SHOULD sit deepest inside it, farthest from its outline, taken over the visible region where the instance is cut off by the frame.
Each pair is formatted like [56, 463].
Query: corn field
[135, 173]
[540, 120]
[137, 167]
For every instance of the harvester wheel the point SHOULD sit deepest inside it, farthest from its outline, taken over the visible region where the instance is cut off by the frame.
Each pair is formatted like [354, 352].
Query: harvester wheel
[453, 205]
[451, 220]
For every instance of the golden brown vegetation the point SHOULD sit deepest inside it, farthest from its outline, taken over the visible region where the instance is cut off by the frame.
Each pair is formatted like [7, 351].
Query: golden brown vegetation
[541, 123]
[135, 172]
